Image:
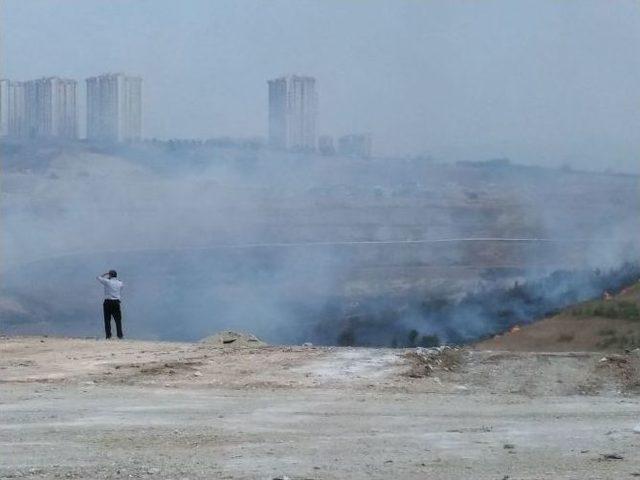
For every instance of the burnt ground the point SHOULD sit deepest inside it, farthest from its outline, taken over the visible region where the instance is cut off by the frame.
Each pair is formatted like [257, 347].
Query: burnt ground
[81, 408]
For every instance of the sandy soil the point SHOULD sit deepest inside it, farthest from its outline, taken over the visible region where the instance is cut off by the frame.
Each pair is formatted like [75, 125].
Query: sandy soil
[81, 408]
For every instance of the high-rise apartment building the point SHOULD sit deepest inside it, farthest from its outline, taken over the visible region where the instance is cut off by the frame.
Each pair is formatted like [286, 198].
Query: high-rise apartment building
[114, 108]
[4, 108]
[16, 109]
[43, 108]
[293, 112]
[50, 108]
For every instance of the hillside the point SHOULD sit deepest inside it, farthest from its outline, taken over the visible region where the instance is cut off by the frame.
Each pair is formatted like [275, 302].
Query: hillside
[611, 323]
[295, 247]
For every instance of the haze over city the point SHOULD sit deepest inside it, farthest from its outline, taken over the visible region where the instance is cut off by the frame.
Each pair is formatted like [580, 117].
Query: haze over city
[451, 80]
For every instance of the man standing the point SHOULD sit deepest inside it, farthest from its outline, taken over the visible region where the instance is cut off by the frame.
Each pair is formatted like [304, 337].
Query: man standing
[111, 305]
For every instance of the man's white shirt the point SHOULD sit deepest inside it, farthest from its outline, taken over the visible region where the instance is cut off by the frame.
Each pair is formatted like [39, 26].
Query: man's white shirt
[112, 287]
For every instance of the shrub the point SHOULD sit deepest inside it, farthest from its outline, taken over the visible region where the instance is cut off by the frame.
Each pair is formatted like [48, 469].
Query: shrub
[412, 337]
[429, 341]
[347, 338]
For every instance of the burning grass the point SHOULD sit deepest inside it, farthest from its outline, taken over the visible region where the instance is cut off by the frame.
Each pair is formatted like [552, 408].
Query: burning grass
[485, 312]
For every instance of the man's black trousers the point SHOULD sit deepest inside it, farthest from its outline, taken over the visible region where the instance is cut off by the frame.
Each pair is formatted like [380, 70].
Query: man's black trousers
[111, 308]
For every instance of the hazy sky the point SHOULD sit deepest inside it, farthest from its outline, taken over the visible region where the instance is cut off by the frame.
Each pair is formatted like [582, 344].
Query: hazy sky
[538, 81]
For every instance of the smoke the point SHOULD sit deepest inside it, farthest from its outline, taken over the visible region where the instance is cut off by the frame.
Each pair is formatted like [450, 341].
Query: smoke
[294, 247]
[486, 311]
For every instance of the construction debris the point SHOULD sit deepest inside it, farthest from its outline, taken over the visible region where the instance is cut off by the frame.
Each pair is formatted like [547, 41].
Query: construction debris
[614, 358]
[424, 361]
[611, 456]
[233, 339]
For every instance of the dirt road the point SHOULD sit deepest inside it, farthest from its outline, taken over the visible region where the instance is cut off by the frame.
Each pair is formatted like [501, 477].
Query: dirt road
[94, 409]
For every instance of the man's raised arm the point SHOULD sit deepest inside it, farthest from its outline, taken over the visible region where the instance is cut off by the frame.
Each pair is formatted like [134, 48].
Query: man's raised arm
[102, 278]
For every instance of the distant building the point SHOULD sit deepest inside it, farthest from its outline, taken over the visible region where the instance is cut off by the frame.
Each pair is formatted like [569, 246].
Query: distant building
[50, 108]
[43, 108]
[325, 145]
[355, 145]
[4, 108]
[293, 111]
[16, 109]
[114, 108]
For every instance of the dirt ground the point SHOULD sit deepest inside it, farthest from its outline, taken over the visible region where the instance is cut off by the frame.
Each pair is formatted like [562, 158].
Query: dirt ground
[92, 409]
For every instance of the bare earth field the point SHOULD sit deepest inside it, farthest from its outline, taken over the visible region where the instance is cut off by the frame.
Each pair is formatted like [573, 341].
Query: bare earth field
[81, 408]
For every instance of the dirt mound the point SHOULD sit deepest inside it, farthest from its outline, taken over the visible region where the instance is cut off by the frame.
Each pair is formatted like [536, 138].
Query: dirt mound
[233, 339]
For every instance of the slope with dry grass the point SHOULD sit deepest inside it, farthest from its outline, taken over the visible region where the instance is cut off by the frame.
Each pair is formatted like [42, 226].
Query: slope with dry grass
[611, 323]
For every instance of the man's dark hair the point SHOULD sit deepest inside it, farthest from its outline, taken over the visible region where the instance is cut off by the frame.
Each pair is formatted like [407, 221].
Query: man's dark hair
[113, 273]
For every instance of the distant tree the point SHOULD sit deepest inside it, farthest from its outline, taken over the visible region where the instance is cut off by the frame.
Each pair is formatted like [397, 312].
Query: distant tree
[347, 338]
[413, 336]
